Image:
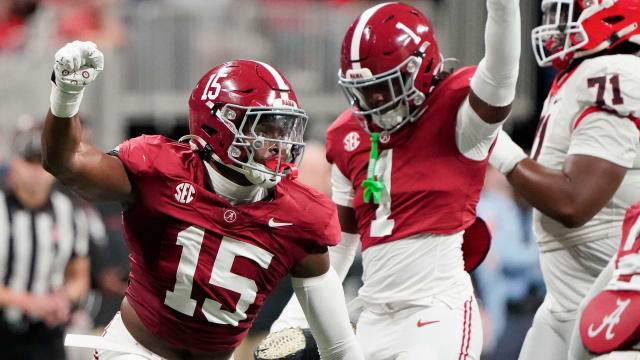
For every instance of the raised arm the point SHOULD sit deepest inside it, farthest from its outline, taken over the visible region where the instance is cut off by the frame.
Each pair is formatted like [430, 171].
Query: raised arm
[76, 163]
[493, 85]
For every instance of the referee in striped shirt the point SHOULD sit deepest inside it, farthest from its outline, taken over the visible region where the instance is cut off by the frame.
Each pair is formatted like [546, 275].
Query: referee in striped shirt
[44, 268]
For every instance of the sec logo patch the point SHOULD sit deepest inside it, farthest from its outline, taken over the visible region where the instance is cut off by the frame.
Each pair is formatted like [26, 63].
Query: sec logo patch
[184, 193]
[351, 141]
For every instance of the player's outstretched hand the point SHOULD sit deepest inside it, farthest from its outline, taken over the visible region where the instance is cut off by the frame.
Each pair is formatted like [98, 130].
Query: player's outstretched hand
[288, 344]
[77, 64]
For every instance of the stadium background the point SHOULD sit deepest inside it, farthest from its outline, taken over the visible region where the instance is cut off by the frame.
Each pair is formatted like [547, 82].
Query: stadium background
[156, 50]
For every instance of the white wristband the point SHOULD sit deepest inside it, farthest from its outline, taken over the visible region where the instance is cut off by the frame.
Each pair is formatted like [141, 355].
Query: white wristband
[506, 154]
[65, 104]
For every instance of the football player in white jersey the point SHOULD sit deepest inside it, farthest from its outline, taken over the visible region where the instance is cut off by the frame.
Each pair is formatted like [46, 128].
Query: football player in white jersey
[584, 168]
[436, 132]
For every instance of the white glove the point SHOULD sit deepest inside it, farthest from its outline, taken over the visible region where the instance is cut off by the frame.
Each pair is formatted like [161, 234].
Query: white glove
[506, 154]
[76, 65]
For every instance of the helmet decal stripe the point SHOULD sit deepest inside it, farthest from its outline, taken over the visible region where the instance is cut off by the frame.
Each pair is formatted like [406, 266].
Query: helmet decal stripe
[357, 33]
[279, 80]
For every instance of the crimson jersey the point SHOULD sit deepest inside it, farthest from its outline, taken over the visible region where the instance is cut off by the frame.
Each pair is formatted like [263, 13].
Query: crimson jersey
[430, 187]
[200, 267]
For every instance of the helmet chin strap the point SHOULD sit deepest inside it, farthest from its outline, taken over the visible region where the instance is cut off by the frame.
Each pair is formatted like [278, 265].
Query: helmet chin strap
[391, 118]
[256, 177]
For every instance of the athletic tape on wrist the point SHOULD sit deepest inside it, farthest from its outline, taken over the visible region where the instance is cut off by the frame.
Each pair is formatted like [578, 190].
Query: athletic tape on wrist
[65, 104]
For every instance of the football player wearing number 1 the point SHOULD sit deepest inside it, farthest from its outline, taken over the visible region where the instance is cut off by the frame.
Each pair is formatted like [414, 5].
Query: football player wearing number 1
[584, 169]
[408, 163]
[212, 225]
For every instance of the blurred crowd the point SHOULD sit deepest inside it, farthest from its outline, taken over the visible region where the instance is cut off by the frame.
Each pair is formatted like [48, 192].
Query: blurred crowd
[86, 19]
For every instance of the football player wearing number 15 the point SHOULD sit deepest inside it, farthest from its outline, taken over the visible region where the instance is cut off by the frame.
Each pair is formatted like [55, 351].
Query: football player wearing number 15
[212, 225]
[408, 163]
[584, 169]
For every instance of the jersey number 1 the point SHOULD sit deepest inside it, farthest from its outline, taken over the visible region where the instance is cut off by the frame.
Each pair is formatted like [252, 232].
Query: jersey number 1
[180, 298]
[382, 225]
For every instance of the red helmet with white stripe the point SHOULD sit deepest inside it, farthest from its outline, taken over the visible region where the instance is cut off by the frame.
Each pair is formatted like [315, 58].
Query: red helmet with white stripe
[241, 109]
[578, 28]
[388, 63]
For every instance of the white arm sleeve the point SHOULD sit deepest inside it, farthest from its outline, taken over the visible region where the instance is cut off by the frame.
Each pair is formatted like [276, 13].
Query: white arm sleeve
[495, 79]
[606, 136]
[341, 257]
[342, 192]
[474, 137]
[322, 301]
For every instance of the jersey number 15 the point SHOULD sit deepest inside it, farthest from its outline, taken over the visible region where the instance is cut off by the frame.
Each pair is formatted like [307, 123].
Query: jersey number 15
[180, 298]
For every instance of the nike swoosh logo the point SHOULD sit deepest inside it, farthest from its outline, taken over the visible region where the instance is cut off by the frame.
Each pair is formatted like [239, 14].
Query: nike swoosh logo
[272, 223]
[421, 324]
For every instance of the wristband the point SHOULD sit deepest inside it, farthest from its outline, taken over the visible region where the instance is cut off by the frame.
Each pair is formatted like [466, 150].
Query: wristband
[506, 154]
[65, 104]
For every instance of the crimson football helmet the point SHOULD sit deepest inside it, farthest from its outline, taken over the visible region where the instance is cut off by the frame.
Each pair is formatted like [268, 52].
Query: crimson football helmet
[573, 29]
[388, 63]
[243, 107]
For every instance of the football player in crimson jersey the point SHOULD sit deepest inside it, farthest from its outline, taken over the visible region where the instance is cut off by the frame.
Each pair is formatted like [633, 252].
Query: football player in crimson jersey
[608, 318]
[212, 225]
[584, 169]
[408, 163]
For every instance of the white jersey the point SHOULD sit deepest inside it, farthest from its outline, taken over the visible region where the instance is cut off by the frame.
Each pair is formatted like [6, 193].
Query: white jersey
[593, 110]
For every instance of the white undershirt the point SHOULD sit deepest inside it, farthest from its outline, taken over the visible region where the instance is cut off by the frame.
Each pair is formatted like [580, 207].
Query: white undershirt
[232, 192]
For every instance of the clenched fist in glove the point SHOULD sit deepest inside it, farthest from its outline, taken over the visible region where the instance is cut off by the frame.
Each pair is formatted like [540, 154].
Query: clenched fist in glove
[76, 65]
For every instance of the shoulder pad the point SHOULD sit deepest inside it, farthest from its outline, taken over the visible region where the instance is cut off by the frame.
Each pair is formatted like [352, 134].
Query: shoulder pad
[344, 132]
[143, 154]
[316, 211]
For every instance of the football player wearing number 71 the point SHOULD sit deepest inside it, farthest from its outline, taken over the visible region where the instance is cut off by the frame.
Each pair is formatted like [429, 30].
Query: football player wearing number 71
[409, 159]
[212, 224]
[584, 168]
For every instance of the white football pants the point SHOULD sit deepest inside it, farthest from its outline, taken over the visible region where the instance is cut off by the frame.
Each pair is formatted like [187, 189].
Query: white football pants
[568, 274]
[422, 332]
[117, 333]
